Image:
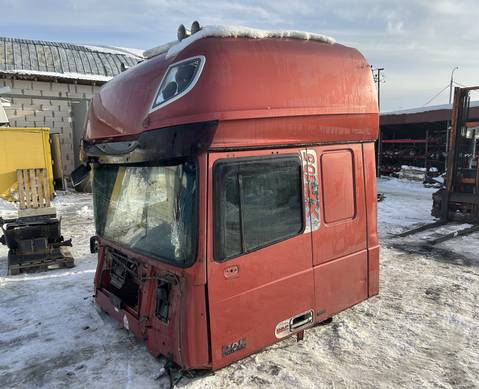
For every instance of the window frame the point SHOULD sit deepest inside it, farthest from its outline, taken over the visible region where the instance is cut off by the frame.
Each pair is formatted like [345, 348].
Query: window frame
[154, 107]
[188, 262]
[218, 192]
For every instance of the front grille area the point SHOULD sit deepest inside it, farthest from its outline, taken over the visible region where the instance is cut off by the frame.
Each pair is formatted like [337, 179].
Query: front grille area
[120, 266]
[121, 278]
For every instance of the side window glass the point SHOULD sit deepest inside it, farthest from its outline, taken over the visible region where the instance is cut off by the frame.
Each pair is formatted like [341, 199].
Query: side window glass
[337, 171]
[232, 229]
[258, 201]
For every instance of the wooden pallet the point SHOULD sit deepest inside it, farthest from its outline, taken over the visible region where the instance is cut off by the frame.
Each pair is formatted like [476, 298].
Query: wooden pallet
[37, 265]
[33, 188]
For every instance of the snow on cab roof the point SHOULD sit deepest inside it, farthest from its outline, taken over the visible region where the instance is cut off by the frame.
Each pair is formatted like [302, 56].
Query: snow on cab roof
[219, 31]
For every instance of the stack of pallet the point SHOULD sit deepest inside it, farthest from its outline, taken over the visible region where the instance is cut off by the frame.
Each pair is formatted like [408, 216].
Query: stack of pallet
[34, 193]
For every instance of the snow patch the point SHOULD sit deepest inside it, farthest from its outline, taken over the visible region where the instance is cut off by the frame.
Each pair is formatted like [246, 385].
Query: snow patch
[69, 75]
[414, 168]
[86, 212]
[220, 31]
[407, 203]
[7, 206]
[116, 50]
[412, 173]
[158, 49]
[7, 210]
[419, 331]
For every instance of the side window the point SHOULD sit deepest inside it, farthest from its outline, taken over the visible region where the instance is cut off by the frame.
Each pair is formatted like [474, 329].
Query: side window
[337, 172]
[258, 201]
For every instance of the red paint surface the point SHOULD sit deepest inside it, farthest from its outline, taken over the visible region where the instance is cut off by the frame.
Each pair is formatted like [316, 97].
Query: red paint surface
[308, 96]
[347, 236]
[338, 186]
[246, 79]
[341, 283]
[274, 283]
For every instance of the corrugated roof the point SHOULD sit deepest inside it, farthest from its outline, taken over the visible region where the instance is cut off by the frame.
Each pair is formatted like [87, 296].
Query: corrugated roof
[431, 114]
[425, 109]
[62, 60]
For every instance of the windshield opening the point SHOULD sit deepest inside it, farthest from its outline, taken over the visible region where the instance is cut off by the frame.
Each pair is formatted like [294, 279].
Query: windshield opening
[149, 208]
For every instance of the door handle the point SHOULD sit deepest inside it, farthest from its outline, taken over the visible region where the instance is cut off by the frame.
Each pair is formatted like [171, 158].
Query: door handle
[301, 320]
[231, 272]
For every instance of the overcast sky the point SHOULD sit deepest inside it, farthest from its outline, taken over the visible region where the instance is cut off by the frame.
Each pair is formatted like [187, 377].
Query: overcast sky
[418, 42]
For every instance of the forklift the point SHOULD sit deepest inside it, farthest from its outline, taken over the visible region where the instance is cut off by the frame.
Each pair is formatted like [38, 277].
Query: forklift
[458, 199]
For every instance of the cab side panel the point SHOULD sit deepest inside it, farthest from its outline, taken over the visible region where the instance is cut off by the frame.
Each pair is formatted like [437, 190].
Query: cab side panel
[250, 295]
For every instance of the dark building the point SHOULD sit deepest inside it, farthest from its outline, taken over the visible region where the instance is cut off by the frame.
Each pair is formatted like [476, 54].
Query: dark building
[416, 137]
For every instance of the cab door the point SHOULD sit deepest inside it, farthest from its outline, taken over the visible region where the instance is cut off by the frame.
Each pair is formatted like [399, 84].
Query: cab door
[260, 275]
[340, 257]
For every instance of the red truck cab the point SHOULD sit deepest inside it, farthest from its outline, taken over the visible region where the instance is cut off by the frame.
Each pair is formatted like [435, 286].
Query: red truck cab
[234, 192]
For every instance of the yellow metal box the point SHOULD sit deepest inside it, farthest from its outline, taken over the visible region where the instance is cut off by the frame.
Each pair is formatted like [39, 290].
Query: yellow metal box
[23, 148]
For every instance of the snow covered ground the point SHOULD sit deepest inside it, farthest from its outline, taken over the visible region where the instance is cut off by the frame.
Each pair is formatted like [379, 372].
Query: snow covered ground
[421, 331]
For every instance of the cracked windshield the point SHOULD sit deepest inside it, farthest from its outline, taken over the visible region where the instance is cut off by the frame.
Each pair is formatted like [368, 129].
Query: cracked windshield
[150, 209]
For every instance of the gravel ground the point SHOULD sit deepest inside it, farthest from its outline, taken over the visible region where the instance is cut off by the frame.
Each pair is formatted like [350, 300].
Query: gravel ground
[421, 331]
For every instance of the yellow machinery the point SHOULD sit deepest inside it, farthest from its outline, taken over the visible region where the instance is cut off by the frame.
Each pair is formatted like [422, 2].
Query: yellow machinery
[23, 148]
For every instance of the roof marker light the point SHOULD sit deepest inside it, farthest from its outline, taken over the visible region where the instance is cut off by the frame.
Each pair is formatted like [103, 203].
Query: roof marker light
[195, 27]
[182, 32]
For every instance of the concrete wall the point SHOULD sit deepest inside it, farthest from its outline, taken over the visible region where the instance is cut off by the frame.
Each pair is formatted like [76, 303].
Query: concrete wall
[46, 104]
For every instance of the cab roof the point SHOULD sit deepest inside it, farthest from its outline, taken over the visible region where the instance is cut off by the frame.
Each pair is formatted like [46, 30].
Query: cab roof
[261, 88]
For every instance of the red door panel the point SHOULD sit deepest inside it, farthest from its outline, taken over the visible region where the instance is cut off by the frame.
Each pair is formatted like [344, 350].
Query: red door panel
[340, 257]
[342, 229]
[338, 183]
[252, 294]
[250, 310]
[341, 283]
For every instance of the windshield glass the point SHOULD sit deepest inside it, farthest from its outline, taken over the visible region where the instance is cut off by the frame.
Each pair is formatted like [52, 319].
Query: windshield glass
[151, 209]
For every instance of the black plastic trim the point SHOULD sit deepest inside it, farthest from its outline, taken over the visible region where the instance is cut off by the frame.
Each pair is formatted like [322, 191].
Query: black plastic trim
[195, 234]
